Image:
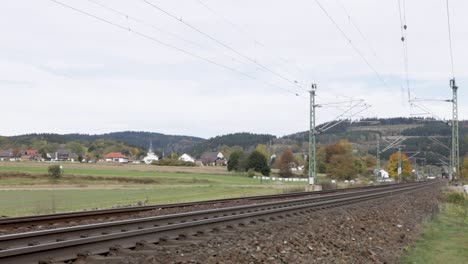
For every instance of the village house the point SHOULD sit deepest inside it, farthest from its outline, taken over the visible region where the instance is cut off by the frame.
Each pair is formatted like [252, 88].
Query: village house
[116, 157]
[9, 155]
[30, 155]
[187, 158]
[213, 159]
[61, 155]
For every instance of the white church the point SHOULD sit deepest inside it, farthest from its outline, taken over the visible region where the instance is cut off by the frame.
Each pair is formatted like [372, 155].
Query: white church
[150, 157]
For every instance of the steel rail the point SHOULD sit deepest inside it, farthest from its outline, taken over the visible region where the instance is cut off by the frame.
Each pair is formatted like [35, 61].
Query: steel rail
[127, 233]
[8, 221]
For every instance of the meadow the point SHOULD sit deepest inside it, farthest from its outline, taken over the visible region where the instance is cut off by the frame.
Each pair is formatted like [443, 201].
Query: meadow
[26, 189]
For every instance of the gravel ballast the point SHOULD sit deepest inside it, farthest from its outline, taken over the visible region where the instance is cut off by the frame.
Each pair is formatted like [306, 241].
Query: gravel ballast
[367, 232]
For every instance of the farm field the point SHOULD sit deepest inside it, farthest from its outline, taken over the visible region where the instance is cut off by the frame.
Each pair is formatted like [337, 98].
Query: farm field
[25, 188]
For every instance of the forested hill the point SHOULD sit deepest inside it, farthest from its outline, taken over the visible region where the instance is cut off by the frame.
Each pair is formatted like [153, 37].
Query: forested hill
[168, 143]
[161, 142]
[383, 127]
[364, 135]
[244, 140]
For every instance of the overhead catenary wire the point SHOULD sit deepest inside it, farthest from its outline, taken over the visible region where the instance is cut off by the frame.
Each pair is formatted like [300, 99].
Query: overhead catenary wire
[154, 40]
[152, 26]
[361, 33]
[427, 111]
[358, 52]
[330, 124]
[222, 43]
[142, 22]
[450, 37]
[404, 43]
[248, 35]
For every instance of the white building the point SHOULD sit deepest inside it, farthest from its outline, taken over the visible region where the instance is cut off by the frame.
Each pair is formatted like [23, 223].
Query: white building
[383, 174]
[187, 158]
[220, 156]
[116, 157]
[150, 157]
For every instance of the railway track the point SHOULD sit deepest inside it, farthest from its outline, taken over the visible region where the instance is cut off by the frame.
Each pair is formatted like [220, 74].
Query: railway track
[64, 244]
[50, 219]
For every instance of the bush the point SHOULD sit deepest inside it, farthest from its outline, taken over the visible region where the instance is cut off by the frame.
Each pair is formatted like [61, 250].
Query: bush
[456, 198]
[55, 172]
[251, 173]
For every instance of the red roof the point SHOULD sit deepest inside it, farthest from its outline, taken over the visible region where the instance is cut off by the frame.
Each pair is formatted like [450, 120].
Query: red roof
[30, 152]
[115, 155]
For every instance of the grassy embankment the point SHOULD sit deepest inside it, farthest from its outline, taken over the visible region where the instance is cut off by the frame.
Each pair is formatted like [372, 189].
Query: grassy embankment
[445, 238]
[25, 188]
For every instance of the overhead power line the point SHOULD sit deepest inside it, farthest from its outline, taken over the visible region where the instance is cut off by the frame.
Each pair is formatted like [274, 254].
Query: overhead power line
[358, 52]
[222, 44]
[404, 42]
[348, 113]
[147, 37]
[248, 35]
[450, 37]
[361, 33]
[152, 26]
[144, 23]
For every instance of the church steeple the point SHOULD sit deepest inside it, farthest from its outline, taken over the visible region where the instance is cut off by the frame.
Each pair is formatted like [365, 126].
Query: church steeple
[150, 150]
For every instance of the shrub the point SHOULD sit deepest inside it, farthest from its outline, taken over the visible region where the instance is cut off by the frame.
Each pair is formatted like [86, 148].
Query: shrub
[55, 172]
[251, 173]
[456, 198]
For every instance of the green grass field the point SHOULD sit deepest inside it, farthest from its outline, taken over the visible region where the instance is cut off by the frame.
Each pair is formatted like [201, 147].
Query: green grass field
[164, 177]
[444, 240]
[29, 202]
[89, 187]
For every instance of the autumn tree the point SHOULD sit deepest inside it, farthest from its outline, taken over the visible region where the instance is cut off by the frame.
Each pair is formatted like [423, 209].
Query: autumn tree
[392, 166]
[365, 165]
[340, 162]
[343, 147]
[285, 162]
[370, 161]
[342, 167]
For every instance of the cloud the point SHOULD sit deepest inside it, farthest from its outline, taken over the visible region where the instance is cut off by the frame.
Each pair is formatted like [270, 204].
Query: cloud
[63, 71]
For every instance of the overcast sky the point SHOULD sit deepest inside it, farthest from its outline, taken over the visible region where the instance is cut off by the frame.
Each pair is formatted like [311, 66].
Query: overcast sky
[62, 71]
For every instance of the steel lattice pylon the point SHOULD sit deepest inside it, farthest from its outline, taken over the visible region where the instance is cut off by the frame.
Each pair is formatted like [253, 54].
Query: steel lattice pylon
[312, 133]
[455, 152]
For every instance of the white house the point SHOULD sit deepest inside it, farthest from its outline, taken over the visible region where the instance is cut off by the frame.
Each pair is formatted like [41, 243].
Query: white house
[383, 174]
[116, 157]
[187, 158]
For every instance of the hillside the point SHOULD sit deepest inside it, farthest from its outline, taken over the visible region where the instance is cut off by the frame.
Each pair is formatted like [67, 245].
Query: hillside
[364, 135]
[118, 141]
[244, 140]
